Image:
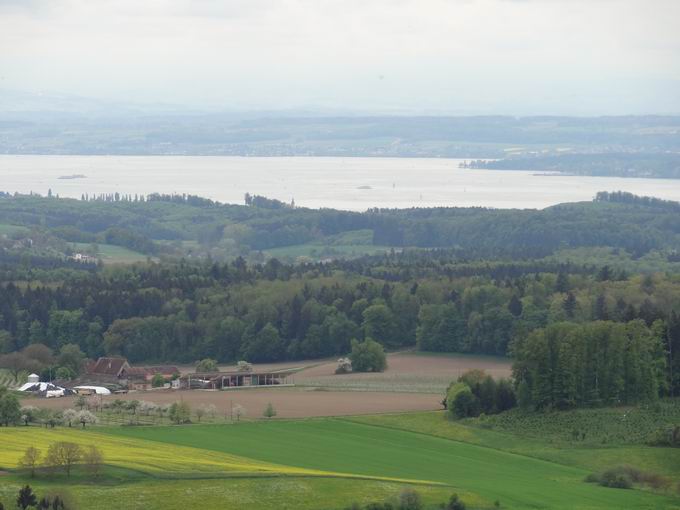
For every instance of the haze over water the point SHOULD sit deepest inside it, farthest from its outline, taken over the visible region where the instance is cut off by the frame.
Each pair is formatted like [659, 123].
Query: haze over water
[340, 183]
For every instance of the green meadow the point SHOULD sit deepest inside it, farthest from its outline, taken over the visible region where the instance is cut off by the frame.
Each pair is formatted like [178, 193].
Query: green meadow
[113, 254]
[387, 450]
[332, 462]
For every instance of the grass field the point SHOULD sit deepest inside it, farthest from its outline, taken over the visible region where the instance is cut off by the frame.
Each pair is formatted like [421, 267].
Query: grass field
[590, 457]
[322, 251]
[146, 474]
[329, 463]
[7, 229]
[588, 427]
[336, 445]
[290, 493]
[112, 254]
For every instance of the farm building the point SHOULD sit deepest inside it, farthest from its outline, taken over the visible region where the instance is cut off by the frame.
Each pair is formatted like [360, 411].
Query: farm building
[118, 371]
[141, 378]
[108, 370]
[235, 379]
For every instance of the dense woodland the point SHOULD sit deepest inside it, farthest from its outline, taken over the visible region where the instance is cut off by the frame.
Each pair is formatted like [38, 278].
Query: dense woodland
[580, 334]
[173, 226]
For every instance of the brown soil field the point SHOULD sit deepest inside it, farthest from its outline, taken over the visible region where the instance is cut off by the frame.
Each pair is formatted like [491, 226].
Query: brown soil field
[406, 372]
[288, 402]
[423, 364]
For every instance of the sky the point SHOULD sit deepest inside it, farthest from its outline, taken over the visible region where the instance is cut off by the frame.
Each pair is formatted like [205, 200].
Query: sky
[520, 57]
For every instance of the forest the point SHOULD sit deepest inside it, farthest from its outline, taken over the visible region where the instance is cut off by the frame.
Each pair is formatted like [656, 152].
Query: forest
[185, 312]
[620, 328]
[175, 226]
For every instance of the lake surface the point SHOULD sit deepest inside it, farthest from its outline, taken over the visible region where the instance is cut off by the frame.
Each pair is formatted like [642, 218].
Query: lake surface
[339, 183]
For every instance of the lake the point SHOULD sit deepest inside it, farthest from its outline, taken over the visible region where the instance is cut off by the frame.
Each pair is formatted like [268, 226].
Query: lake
[339, 183]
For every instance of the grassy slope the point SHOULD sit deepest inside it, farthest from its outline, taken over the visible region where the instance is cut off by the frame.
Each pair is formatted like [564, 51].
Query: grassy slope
[338, 445]
[149, 475]
[589, 457]
[7, 229]
[233, 494]
[112, 254]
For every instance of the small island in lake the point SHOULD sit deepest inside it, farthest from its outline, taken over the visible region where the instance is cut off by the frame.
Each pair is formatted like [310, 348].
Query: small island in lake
[72, 176]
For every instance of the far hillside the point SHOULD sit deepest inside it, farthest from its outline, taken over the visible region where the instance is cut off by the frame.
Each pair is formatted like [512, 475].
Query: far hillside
[180, 226]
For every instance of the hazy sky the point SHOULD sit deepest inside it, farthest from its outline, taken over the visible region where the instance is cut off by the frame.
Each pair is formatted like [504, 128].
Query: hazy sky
[448, 56]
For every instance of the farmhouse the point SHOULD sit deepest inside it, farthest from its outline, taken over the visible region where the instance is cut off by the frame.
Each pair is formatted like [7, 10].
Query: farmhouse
[141, 378]
[119, 371]
[108, 370]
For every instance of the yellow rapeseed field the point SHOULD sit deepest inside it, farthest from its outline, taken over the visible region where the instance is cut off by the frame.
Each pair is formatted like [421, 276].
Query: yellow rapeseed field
[155, 458]
[141, 455]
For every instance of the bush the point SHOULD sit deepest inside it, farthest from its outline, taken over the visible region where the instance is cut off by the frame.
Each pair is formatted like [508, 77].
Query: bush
[269, 411]
[410, 500]
[368, 356]
[207, 365]
[455, 503]
[465, 404]
[157, 381]
[180, 412]
[616, 480]
[460, 401]
[623, 477]
[668, 436]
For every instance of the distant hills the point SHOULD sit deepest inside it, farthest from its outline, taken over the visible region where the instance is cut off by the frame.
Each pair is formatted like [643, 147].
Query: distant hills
[627, 146]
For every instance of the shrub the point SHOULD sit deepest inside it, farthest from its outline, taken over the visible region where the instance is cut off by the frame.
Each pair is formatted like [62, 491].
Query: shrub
[244, 366]
[455, 503]
[26, 498]
[616, 480]
[368, 356]
[668, 436]
[465, 404]
[157, 381]
[206, 365]
[410, 500]
[180, 412]
[269, 411]
[460, 401]
[623, 477]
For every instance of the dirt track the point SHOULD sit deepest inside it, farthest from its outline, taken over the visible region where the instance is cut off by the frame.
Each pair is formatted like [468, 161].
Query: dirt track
[289, 402]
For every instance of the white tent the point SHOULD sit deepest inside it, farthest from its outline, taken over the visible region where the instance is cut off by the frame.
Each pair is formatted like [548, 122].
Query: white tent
[99, 390]
[39, 386]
